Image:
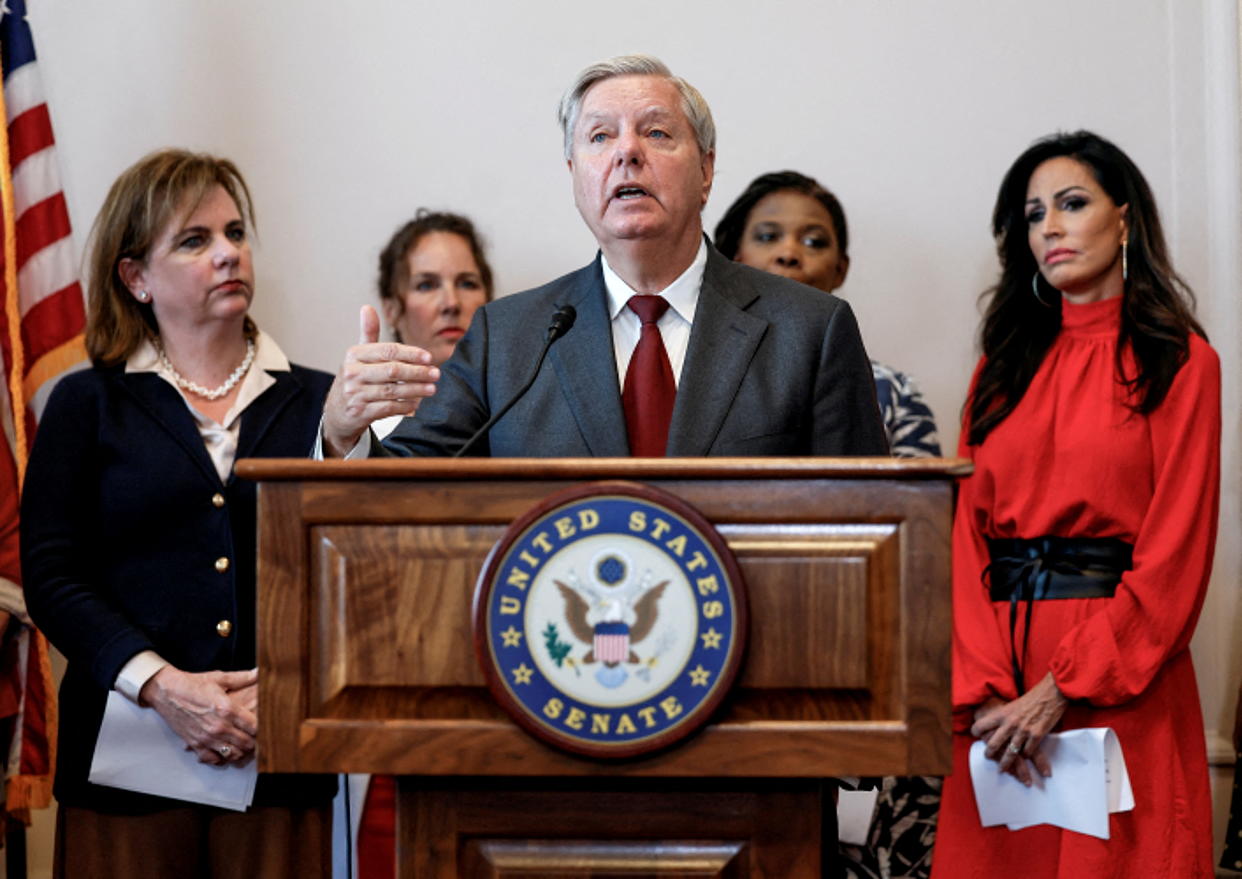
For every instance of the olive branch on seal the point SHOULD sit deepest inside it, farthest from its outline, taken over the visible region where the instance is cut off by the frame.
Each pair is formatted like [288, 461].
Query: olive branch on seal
[557, 649]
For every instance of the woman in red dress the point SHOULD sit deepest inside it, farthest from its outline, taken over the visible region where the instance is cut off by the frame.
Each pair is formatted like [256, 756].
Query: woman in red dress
[1083, 542]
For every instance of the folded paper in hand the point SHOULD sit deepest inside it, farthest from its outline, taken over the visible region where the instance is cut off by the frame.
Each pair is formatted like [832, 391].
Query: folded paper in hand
[136, 750]
[1089, 781]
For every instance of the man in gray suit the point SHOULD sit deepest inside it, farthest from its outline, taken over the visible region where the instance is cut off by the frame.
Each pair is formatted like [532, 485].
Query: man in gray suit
[762, 365]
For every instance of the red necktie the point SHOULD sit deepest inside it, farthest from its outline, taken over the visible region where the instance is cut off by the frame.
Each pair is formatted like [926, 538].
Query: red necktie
[377, 831]
[649, 387]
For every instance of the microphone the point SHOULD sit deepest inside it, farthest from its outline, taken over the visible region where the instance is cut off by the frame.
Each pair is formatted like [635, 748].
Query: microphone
[562, 322]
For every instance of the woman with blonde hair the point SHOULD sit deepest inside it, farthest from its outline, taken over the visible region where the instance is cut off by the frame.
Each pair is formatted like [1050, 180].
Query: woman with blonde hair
[138, 542]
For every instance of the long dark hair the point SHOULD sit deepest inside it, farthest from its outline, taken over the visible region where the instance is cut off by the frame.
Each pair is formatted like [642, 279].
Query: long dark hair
[728, 238]
[1157, 314]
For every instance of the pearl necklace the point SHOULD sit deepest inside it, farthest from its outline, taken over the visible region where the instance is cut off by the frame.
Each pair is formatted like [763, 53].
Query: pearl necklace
[194, 387]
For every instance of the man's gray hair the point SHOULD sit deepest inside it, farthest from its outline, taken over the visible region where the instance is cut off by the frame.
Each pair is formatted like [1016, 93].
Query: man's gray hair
[692, 103]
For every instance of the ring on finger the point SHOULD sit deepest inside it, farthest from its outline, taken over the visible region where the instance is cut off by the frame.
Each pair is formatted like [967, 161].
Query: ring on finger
[224, 751]
[1014, 748]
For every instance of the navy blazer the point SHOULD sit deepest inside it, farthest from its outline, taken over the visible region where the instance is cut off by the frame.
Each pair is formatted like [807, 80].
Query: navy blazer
[130, 541]
[773, 367]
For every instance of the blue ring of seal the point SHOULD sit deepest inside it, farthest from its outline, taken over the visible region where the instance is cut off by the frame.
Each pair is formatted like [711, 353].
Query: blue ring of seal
[600, 729]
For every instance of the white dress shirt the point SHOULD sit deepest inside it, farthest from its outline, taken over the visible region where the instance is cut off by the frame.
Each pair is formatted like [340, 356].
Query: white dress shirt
[682, 296]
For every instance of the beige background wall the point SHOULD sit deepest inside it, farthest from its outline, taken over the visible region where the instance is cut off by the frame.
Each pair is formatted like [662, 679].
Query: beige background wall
[348, 118]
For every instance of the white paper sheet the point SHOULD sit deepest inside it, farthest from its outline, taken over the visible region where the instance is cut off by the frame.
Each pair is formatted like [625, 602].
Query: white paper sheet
[855, 810]
[136, 750]
[1089, 781]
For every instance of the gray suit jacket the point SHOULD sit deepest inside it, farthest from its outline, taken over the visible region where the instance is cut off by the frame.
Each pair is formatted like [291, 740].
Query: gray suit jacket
[773, 368]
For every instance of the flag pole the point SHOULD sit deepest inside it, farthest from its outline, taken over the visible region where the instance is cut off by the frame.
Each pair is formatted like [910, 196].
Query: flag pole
[12, 302]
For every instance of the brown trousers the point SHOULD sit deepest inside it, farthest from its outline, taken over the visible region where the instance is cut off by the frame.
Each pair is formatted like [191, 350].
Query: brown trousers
[195, 842]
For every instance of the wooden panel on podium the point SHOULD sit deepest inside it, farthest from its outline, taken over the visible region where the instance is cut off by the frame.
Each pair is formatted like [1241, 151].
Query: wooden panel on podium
[694, 829]
[367, 572]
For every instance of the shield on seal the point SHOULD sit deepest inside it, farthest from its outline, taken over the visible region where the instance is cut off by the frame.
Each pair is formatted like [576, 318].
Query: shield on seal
[612, 642]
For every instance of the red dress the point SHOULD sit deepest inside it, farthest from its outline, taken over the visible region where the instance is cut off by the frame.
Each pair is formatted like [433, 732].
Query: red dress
[1072, 461]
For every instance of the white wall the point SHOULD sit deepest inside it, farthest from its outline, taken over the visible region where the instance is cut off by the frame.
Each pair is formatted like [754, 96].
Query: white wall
[348, 118]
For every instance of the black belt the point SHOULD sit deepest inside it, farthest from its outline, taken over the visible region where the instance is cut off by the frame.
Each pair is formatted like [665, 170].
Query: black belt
[1051, 568]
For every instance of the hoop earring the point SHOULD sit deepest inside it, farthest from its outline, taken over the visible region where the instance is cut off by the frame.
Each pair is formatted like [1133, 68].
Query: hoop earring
[1035, 290]
[1125, 259]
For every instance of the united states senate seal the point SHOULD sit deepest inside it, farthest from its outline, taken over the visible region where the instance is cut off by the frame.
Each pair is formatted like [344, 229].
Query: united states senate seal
[610, 620]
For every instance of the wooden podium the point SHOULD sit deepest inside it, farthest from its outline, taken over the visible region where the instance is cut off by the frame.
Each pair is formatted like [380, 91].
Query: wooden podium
[366, 576]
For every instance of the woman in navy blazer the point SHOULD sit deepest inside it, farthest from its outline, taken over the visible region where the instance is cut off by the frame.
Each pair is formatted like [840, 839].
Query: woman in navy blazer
[138, 542]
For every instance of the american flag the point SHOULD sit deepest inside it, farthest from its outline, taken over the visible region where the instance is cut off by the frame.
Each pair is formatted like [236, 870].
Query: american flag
[40, 339]
[612, 642]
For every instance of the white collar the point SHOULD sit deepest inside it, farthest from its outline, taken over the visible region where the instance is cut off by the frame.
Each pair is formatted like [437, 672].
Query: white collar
[682, 294]
[267, 356]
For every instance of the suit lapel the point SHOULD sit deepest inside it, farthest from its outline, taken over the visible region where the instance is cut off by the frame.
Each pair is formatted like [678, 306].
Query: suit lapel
[723, 341]
[169, 411]
[258, 417]
[162, 402]
[586, 367]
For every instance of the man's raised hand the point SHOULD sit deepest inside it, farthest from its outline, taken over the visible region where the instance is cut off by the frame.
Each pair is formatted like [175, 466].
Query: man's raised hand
[376, 380]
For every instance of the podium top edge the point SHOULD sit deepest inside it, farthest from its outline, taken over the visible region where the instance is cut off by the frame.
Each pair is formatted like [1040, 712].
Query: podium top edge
[289, 469]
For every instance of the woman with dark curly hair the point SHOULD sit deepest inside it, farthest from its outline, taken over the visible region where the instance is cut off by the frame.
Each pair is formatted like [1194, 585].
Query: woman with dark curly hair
[788, 224]
[1083, 541]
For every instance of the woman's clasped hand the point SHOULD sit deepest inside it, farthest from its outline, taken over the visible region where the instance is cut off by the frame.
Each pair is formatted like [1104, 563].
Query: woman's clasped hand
[215, 712]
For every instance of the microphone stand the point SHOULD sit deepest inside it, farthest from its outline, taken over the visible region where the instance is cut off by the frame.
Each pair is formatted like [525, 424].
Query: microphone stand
[561, 324]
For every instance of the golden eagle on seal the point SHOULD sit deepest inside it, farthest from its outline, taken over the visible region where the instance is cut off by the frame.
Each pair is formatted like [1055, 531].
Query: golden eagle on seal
[611, 623]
